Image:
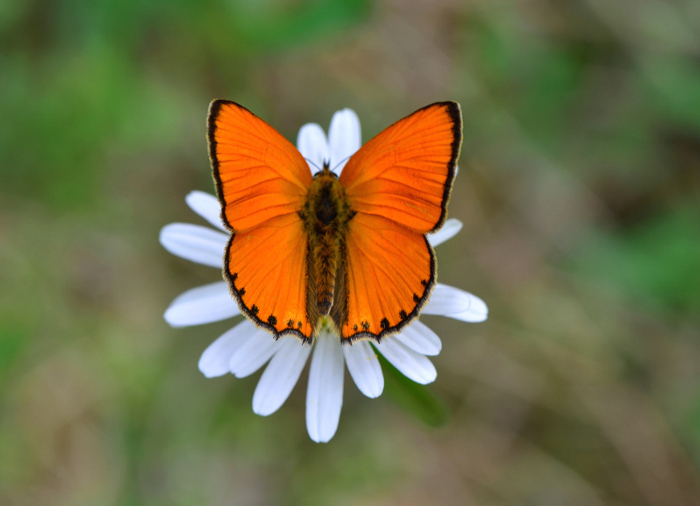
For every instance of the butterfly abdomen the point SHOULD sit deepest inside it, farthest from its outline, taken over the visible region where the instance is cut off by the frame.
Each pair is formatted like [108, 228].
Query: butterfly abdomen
[326, 215]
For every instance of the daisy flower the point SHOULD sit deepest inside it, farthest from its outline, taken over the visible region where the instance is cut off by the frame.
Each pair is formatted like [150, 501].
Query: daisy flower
[244, 349]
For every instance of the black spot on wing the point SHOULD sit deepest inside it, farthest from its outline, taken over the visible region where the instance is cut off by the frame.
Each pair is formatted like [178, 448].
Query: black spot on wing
[403, 315]
[272, 319]
[254, 310]
[241, 292]
[384, 324]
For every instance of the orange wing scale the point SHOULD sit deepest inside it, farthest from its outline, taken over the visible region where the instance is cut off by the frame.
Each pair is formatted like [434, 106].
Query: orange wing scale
[261, 181]
[259, 174]
[405, 173]
[266, 268]
[398, 184]
[389, 271]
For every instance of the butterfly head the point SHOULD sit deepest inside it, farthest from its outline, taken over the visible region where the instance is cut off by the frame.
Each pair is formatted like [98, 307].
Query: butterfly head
[325, 171]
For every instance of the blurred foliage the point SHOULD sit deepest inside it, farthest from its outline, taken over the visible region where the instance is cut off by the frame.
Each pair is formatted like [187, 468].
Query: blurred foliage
[413, 397]
[579, 189]
[656, 264]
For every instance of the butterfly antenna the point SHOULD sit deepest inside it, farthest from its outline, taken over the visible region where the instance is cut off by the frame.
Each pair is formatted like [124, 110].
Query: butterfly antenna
[340, 163]
[311, 162]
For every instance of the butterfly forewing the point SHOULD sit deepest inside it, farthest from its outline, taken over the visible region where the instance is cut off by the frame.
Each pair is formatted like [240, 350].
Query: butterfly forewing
[259, 174]
[405, 173]
[398, 184]
[262, 182]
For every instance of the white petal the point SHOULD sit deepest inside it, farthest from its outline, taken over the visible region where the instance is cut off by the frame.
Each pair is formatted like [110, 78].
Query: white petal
[194, 242]
[312, 144]
[254, 352]
[364, 368]
[207, 206]
[204, 304]
[280, 376]
[324, 396]
[420, 338]
[456, 303]
[215, 359]
[344, 138]
[448, 231]
[413, 365]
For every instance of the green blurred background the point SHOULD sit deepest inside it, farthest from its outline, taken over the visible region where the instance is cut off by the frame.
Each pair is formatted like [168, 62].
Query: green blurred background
[579, 190]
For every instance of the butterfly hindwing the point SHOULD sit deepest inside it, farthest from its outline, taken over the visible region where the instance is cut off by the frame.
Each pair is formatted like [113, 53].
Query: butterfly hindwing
[262, 182]
[266, 267]
[390, 272]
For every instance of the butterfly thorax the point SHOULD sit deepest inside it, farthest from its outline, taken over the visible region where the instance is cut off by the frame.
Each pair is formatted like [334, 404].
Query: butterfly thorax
[326, 216]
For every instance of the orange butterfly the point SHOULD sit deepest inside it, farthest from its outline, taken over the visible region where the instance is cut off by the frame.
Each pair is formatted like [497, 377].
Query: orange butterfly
[348, 252]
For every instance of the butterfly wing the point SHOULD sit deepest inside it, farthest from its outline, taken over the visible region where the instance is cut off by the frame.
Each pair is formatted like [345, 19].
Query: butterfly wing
[390, 270]
[266, 270]
[405, 173]
[261, 181]
[398, 184]
[259, 174]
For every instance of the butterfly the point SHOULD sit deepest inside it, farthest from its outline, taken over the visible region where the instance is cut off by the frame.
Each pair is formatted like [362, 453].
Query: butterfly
[347, 252]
